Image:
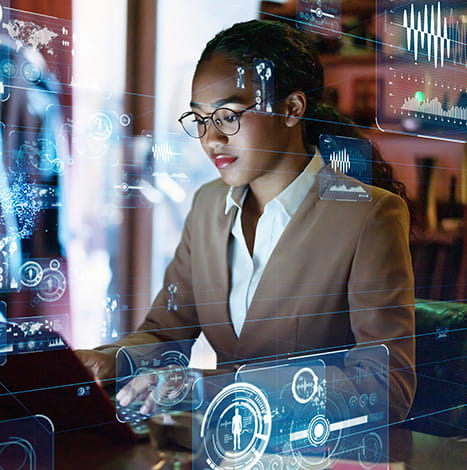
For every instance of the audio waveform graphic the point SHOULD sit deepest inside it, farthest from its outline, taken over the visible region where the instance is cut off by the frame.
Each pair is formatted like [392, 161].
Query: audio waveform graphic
[340, 160]
[459, 55]
[163, 152]
[430, 31]
[434, 106]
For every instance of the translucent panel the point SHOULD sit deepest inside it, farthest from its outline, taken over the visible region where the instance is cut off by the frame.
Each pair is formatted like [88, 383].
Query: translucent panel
[422, 71]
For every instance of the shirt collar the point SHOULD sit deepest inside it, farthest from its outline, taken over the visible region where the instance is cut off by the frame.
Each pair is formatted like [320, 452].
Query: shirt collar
[235, 197]
[294, 194]
[291, 197]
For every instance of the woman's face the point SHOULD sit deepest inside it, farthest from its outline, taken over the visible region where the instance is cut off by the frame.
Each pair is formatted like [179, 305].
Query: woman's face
[258, 151]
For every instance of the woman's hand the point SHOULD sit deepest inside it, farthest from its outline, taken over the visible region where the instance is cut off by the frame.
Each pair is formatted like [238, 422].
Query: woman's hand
[140, 388]
[157, 388]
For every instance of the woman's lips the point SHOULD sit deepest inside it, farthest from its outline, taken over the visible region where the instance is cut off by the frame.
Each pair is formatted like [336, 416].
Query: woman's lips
[223, 161]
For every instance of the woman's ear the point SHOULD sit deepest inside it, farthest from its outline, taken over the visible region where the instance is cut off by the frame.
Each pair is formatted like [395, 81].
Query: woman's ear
[295, 106]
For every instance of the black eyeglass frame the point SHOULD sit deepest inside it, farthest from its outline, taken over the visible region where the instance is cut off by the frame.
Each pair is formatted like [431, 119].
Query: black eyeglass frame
[238, 114]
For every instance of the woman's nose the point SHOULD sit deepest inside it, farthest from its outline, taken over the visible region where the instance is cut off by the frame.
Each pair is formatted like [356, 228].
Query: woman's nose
[214, 136]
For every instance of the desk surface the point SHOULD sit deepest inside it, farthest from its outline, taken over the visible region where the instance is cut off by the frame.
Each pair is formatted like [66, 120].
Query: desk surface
[88, 451]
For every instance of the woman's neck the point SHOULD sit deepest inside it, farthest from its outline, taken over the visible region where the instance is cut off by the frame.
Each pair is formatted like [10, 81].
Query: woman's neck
[267, 187]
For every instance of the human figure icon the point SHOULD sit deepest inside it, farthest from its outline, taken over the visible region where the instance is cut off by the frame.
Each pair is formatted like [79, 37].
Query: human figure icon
[236, 429]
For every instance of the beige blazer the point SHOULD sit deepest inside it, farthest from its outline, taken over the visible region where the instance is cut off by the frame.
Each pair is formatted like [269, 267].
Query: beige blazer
[340, 276]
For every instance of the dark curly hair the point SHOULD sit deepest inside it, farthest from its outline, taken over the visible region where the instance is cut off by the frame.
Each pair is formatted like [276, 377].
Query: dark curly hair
[297, 68]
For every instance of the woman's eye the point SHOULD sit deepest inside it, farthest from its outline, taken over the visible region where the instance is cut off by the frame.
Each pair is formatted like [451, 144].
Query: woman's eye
[198, 121]
[231, 118]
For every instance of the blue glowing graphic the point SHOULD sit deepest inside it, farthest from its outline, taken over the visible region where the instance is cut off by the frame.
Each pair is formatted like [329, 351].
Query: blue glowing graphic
[236, 427]
[306, 412]
[47, 35]
[352, 157]
[3, 332]
[27, 443]
[36, 156]
[41, 333]
[24, 203]
[111, 323]
[320, 16]
[263, 77]
[422, 68]
[9, 253]
[53, 283]
[161, 375]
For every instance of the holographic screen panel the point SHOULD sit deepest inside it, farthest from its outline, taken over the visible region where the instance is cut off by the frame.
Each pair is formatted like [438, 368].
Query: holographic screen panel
[307, 412]
[51, 37]
[32, 334]
[350, 156]
[263, 79]
[3, 332]
[160, 375]
[7, 66]
[422, 68]
[34, 154]
[27, 443]
[320, 16]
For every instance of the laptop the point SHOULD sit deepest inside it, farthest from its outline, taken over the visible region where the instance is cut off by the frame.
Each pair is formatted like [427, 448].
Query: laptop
[54, 383]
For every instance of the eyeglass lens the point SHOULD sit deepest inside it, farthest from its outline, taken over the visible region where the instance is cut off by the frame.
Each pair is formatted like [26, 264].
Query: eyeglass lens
[225, 120]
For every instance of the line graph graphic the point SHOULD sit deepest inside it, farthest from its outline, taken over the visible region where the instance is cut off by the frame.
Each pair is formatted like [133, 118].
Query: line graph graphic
[422, 67]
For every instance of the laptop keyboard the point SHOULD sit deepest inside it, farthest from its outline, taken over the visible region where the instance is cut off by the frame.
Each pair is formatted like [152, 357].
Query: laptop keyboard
[131, 415]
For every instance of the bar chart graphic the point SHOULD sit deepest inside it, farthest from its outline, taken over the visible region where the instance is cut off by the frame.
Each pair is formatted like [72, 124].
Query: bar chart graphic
[422, 68]
[434, 107]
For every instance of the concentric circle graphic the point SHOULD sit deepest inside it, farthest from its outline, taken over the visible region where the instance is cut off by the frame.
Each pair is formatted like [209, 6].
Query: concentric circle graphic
[53, 283]
[318, 430]
[305, 385]
[370, 452]
[174, 381]
[30, 273]
[310, 430]
[174, 384]
[236, 427]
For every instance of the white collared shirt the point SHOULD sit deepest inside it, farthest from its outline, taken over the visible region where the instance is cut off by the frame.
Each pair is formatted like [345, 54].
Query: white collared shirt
[246, 270]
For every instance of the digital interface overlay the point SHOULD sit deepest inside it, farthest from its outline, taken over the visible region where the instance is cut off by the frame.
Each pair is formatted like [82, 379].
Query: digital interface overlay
[7, 67]
[40, 333]
[161, 371]
[3, 333]
[27, 443]
[52, 37]
[349, 156]
[422, 68]
[307, 412]
[263, 78]
[320, 16]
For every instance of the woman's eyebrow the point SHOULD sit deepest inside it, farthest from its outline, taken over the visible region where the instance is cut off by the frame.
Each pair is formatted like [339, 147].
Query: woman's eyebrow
[218, 103]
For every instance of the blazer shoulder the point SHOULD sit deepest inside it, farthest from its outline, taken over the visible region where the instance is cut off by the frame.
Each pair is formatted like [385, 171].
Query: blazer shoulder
[211, 195]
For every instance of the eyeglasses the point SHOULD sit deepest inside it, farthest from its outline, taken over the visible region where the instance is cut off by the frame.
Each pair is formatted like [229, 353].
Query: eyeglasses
[226, 121]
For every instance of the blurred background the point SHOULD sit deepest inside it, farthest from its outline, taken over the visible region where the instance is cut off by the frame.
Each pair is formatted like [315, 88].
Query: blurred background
[97, 176]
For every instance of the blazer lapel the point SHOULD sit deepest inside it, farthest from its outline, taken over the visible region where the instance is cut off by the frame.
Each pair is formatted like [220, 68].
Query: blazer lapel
[220, 255]
[271, 284]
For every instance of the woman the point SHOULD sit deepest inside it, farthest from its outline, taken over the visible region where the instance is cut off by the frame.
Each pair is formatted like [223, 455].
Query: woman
[267, 266]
